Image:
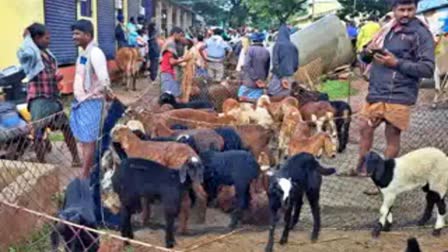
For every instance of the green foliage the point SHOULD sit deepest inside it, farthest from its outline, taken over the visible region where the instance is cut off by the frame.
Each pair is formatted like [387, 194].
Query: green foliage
[38, 241]
[337, 89]
[375, 7]
[276, 11]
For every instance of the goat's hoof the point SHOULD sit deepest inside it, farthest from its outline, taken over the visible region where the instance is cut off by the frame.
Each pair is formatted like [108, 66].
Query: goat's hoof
[387, 227]
[283, 241]
[422, 222]
[437, 232]
[170, 244]
[269, 248]
[377, 230]
[314, 237]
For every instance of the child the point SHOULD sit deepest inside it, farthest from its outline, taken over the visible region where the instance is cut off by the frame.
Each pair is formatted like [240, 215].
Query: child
[142, 43]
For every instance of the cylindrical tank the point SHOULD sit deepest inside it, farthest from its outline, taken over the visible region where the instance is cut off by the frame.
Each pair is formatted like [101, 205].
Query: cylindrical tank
[326, 38]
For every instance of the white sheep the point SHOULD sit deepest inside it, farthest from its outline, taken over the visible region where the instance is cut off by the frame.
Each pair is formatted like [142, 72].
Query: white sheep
[426, 168]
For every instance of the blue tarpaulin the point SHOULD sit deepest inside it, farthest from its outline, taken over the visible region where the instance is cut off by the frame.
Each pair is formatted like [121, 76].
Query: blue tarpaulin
[426, 5]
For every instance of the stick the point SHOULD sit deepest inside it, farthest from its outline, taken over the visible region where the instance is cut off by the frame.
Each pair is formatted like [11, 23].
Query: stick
[206, 242]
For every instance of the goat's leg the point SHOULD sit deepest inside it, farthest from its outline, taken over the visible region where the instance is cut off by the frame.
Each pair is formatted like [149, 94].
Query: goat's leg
[242, 196]
[184, 213]
[170, 217]
[274, 220]
[126, 227]
[441, 214]
[313, 198]
[384, 212]
[287, 219]
[146, 211]
[297, 209]
[431, 199]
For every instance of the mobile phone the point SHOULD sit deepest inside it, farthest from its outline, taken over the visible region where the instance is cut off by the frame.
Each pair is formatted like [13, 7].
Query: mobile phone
[379, 51]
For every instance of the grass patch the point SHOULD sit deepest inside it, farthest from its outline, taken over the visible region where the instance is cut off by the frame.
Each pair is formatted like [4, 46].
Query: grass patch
[56, 137]
[337, 89]
[39, 241]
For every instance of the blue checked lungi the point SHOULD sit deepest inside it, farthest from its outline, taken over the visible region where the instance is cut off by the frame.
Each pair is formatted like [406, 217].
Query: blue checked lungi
[85, 120]
[250, 93]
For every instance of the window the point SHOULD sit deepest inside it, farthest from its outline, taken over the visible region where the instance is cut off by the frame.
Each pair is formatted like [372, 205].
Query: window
[86, 8]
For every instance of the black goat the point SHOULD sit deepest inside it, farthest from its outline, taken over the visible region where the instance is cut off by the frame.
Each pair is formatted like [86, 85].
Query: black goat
[343, 119]
[300, 174]
[237, 168]
[413, 245]
[77, 208]
[232, 140]
[137, 178]
[167, 98]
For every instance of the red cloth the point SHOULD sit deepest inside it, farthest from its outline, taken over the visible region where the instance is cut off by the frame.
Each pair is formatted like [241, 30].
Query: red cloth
[165, 65]
[44, 84]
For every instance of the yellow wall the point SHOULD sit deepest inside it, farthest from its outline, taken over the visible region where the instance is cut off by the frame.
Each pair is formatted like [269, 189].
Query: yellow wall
[15, 16]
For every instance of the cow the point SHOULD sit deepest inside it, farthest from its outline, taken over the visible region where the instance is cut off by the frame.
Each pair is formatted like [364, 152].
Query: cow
[128, 61]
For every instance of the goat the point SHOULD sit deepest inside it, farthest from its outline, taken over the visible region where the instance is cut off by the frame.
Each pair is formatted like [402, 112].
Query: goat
[426, 168]
[343, 117]
[262, 115]
[246, 113]
[77, 208]
[303, 141]
[300, 174]
[168, 98]
[232, 140]
[276, 109]
[256, 139]
[321, 114]
[137, 178]
[161, 152]
[412, 245]
[237, 168]
[291, 116]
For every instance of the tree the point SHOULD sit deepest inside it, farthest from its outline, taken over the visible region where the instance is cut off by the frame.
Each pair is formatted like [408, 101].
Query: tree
[281, 10]
[376, 7]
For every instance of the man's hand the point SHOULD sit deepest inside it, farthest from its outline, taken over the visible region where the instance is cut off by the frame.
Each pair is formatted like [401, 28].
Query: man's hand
[59, 77]
[285, 84]
[260, 84]
[388, 59]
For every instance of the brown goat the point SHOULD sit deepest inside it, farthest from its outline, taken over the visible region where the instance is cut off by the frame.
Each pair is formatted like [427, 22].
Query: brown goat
[161, 152]
[276, 110]
[303, 141]
[256, 139]
[291, 117]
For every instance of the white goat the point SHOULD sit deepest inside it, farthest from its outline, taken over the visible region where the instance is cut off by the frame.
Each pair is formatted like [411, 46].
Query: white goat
[426, 168]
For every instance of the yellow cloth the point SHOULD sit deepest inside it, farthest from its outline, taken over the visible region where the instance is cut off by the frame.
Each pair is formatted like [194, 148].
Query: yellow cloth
[366, 34]
[396, 114]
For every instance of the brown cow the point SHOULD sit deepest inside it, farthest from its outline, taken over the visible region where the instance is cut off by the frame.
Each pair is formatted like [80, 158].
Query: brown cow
[128, 62]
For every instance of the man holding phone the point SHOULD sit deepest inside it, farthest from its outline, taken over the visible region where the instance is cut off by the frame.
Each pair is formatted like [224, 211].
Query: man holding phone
[401, 54]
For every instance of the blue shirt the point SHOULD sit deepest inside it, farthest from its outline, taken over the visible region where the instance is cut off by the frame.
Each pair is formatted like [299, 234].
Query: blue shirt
[217, 48]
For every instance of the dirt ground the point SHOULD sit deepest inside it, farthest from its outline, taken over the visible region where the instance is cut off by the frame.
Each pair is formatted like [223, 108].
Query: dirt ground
[251, 238]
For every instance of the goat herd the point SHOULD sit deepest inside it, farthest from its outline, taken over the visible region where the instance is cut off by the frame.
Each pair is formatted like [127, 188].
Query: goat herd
[182, 153]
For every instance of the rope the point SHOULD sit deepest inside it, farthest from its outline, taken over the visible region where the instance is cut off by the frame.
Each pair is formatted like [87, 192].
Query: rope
[101, 233]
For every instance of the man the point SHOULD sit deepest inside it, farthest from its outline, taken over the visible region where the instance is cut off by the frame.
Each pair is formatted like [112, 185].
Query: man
[170, 59]
[90, 86]
[43, 98]
[120, 32]
[398, 63]
[256, 70]
[285, 62]
[367, 32]
[132, 32]
[217, 52]
[154, 51]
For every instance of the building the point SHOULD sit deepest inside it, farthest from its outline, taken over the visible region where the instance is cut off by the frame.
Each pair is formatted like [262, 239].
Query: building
[316, 9]
[59, 15]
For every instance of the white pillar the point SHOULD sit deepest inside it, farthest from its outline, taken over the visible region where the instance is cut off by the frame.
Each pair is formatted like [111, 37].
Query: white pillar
[178, 17]
[158, 15]
[169, 17]
[185, 19]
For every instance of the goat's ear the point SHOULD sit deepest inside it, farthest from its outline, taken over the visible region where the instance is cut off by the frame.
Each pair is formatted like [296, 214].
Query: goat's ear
[125, 142]
[313, 118]
[330, 115]
[183, 174]
[380, 169]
